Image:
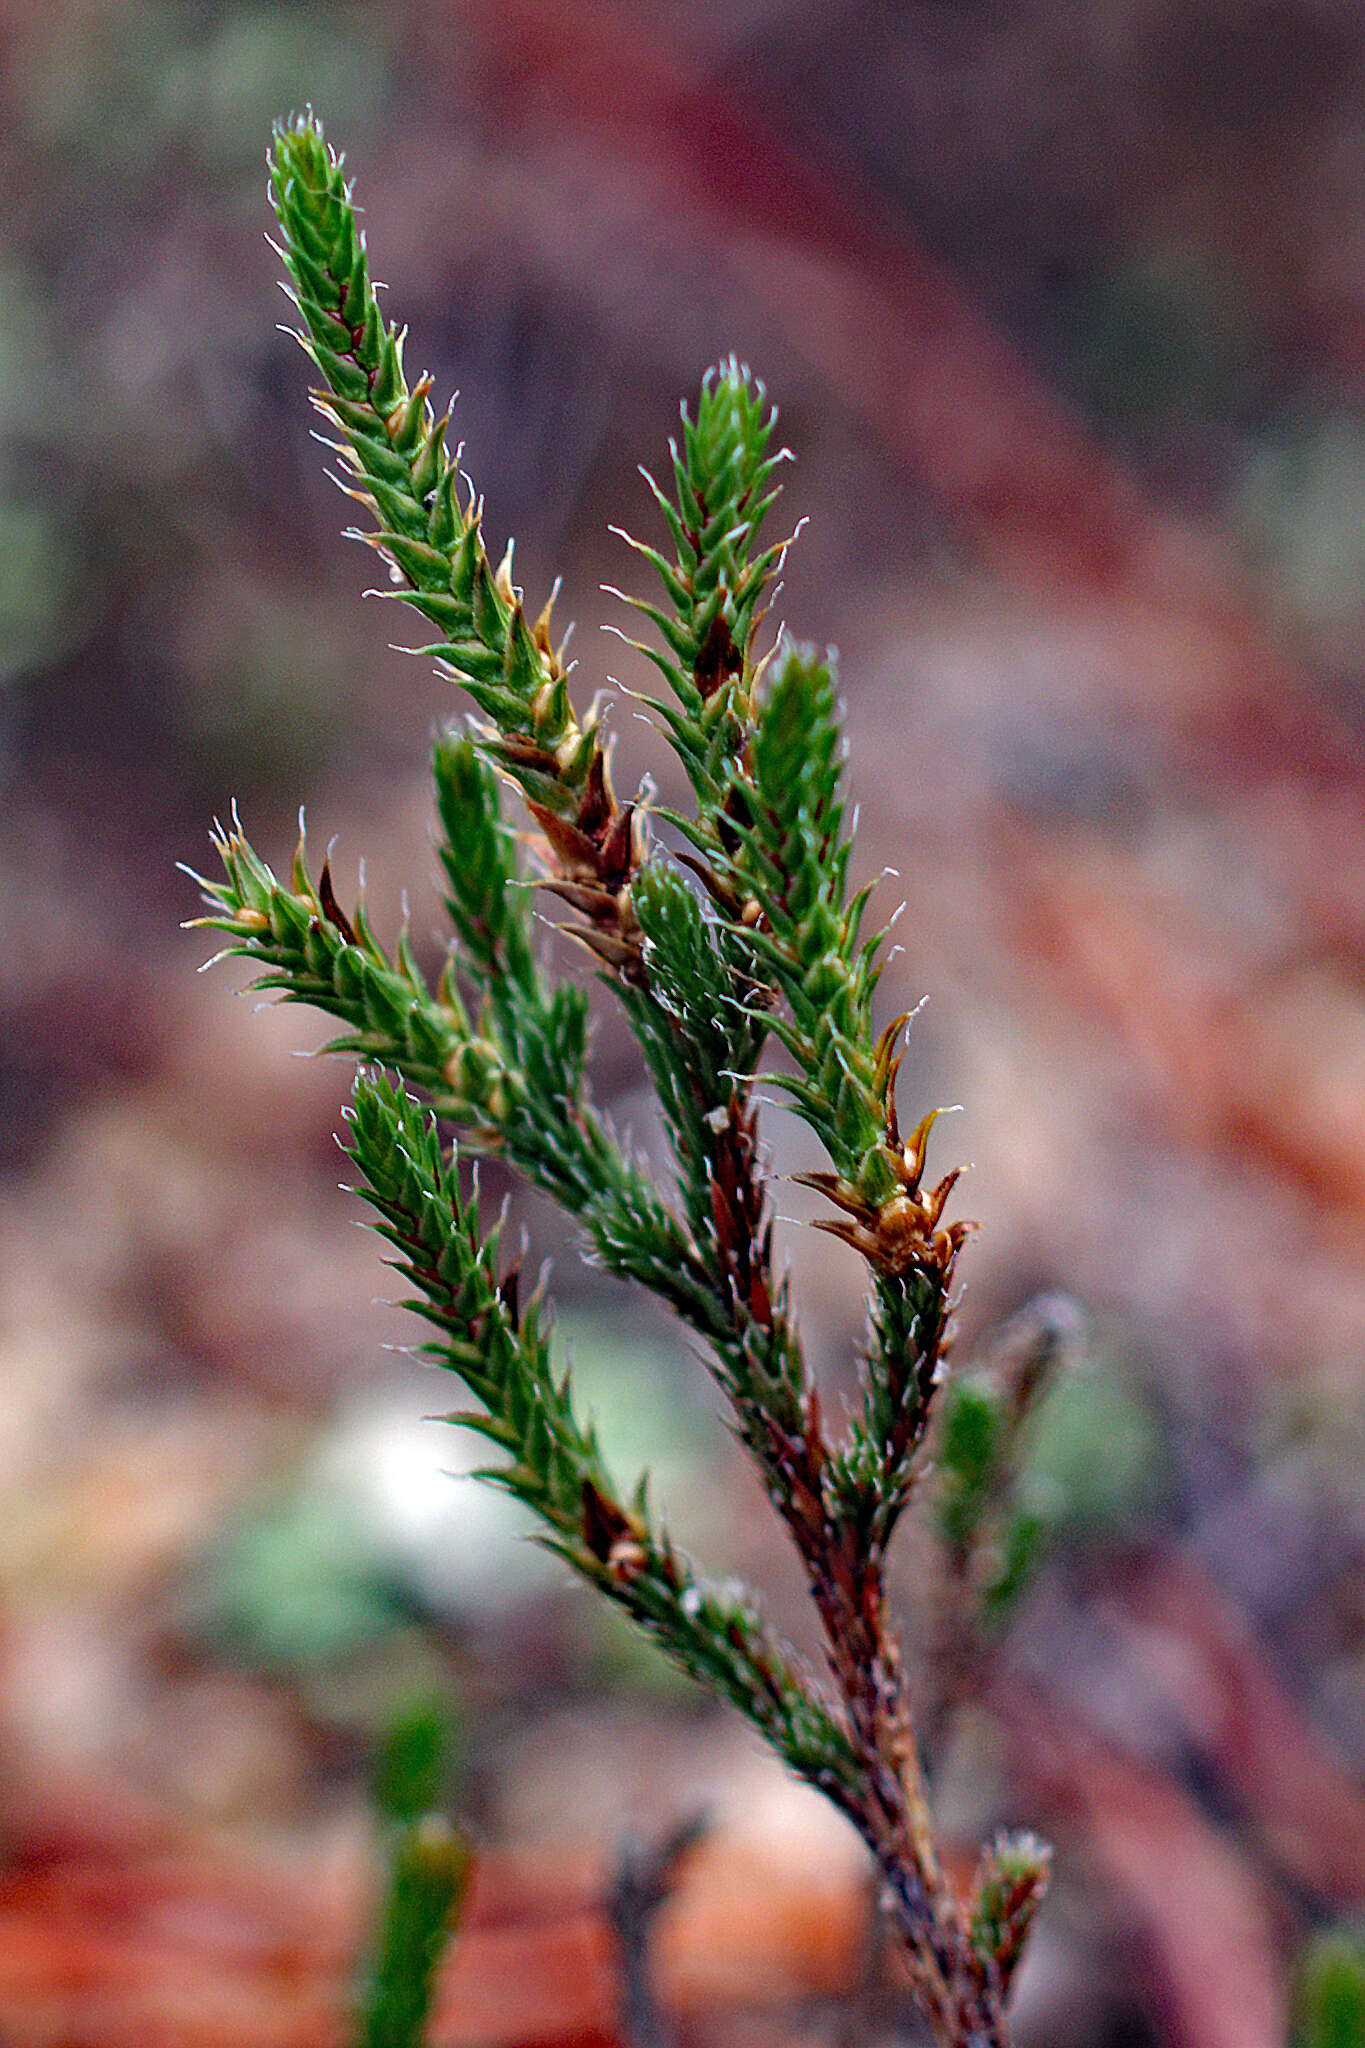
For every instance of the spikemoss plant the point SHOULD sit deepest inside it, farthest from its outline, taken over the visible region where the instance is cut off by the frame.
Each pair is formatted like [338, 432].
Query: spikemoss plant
[751, 933]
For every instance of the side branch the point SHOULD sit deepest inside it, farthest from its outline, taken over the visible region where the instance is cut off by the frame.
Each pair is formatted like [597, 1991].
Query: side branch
[500, 1348]
[521, 1092]
[429, 528]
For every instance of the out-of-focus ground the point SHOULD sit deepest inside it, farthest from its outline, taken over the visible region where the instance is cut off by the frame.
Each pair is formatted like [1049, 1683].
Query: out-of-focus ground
[1064, 306]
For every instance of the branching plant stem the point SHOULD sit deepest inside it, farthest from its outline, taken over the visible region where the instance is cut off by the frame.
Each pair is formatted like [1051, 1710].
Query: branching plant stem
[750, 936]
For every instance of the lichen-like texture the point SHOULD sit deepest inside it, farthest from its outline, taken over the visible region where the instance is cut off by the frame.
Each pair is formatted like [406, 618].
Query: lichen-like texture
[750, 934]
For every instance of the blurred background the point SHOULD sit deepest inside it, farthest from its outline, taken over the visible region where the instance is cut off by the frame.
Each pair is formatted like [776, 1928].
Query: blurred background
[1064, 307]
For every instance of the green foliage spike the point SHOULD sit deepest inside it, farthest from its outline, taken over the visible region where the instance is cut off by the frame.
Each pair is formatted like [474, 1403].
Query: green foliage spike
[791, 871]
[427, 1879]
[698, 1037]
[499, 1346]
[429, 1868]
[313, 953]
[490, 912]
[756, 930]
[519, 1090]
[715, 584]
[394, 449]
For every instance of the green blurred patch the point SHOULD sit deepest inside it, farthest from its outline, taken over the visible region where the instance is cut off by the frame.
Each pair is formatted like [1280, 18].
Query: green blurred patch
[45, 598]
[384, 1524]
[143, 80]
[33, 397]
[649, 1403]
[304, 1582]
[1096, 1460]
[968, 1453]
[1161, 337]
[1076, 1452]
[646, 1397]
[268, 684]
[40, 612]
[1329, 2008]
[414, 1760]
[1302, 507]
